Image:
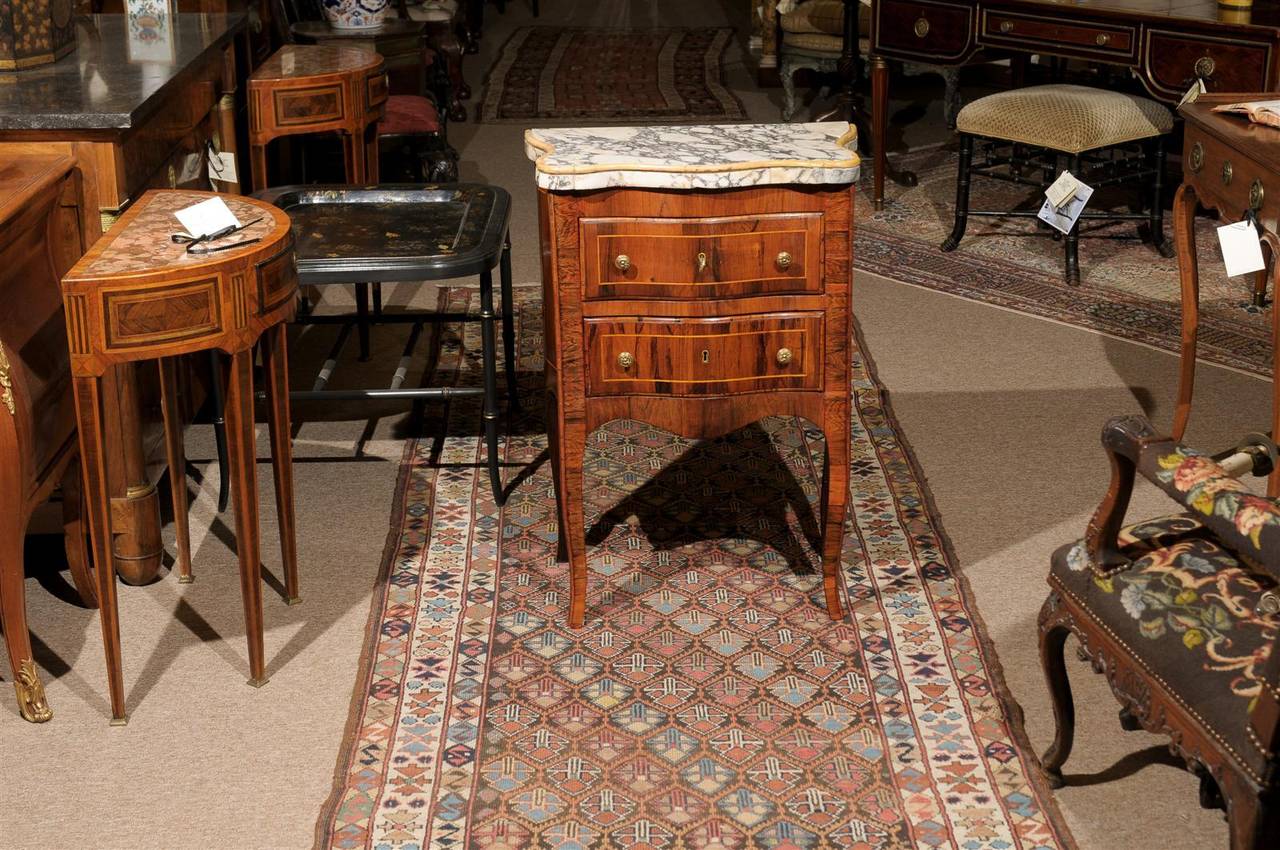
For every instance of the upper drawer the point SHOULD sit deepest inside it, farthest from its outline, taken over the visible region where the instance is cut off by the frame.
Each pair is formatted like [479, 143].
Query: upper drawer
[1078, 37]
[1175, 59]
[766, 352]
[702, 257]
[924, 28]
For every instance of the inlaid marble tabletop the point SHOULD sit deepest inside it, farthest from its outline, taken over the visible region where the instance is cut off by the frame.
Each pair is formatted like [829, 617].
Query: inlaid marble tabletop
[722, 156]
[309, 60]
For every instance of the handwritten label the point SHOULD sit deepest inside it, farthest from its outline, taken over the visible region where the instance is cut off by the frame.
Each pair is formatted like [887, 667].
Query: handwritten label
[1241, 250]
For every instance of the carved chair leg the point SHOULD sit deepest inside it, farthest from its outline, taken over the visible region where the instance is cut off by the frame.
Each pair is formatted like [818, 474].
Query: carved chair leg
[1053, 639]
[1128, 722]
[962, 194]
[787, 70]
[1210, 794]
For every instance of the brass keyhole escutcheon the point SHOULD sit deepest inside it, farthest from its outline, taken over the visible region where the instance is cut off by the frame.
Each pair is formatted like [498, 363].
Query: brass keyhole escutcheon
[1102, 38]
[922, 27]
[1006, 26]
[702, 261]
[626, 360]
[1205, 66]
[622, 262]
[783, 261]
[1197, 157]
[1226, 173]
[1255, 194]
[706, 355]
[173, 177]
[783, 356]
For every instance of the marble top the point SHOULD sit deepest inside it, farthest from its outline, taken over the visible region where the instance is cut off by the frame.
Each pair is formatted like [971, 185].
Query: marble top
[309, 60]
[101, 85]
[693, 157]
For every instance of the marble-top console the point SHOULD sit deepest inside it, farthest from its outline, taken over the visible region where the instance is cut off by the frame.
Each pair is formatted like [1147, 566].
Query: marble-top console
[103, 84]
[722, 156]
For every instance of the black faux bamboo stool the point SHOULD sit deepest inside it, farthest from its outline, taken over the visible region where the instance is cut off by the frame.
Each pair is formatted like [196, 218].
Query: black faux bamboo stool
[405, 234]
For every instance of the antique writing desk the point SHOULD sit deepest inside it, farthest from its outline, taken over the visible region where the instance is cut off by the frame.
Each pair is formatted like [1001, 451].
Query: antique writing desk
[1167, 43]
[697, 279]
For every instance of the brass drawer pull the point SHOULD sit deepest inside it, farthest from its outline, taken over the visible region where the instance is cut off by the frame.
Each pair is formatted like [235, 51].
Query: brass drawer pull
[784, 356]
[1006, 26]
[1256, 194]
[626, 360]
[1102, 39]
[784, 260]
[1205, 67]
[1197, 157]
[622, 262]
[922, 27]
[702, 261]
[1226, 173]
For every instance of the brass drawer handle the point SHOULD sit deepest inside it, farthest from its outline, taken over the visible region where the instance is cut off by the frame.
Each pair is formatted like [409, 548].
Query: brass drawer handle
[784, 356]
[1226, 173]
[626, 360]
[1197, 157]
[1102, 38]
[1006, 26]
[1205, 67]
[922, 27]
[622, 262]
[702, 261]
[784, 260]
[1256, 194]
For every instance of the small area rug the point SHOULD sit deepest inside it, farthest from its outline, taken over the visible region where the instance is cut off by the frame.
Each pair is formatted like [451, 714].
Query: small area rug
[1127, 290]
[584, 74]
[709, 702]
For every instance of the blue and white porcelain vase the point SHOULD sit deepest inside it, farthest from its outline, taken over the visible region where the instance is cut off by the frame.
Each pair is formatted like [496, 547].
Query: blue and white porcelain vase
[355, 14]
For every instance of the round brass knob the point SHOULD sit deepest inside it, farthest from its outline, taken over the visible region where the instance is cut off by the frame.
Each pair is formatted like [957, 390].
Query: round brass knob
[1205, 66]
[783, 260]
[1197, 157]
[784, 356]
[922, 27]
[1255, 194]
[1226, 173]
[626, 360]
[1006, 26]
[1102, 38]
[622, 262]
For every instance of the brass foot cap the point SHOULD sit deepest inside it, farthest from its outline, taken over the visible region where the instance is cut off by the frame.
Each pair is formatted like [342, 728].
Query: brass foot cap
[257, 683]
[293, 600]
[120, 721]
[186, 579]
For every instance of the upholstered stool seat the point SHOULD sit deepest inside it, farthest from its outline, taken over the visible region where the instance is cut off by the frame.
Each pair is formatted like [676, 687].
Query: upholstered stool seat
[1067, 118]
[1187, 608]
[409, 113]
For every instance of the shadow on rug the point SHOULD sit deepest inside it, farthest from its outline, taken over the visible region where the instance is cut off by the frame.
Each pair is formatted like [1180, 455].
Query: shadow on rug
[709, 702]
[1127, 289]
[579, 73]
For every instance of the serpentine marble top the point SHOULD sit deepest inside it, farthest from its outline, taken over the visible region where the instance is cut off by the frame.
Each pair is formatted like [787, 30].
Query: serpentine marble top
[720, 156]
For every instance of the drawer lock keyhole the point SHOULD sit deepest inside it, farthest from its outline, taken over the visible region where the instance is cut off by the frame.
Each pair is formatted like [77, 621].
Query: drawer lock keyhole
[706, 355]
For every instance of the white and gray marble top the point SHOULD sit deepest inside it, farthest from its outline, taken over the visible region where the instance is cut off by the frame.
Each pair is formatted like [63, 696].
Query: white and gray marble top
[719, 156]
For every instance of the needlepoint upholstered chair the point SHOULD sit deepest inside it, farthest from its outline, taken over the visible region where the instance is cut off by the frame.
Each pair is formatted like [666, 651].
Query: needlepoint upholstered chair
[1181, 614]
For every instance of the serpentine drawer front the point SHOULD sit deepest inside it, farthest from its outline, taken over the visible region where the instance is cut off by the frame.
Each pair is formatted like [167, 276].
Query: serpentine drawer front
[702, 257]
[703, 356]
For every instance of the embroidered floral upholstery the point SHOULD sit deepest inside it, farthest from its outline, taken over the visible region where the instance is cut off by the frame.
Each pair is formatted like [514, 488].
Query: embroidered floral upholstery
[1188, 610]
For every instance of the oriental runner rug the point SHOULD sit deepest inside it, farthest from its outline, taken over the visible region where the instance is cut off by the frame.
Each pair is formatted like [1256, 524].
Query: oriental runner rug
[626, 75]
[1127, 290]
[709, 702]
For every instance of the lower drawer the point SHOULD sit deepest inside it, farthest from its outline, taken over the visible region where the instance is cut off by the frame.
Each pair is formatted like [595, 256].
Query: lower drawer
[682, 357]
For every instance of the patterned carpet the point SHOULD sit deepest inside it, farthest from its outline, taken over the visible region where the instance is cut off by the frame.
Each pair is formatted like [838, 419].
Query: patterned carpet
[1127, 289]
[709, 703]
[637, 75]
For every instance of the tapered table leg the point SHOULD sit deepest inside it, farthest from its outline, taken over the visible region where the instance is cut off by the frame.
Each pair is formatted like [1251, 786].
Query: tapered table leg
[834, 501]
[571, 441]
[275, 360]
[1184, 217]
[244, 494]
[177, 460]
[88, 397]
[879, 122]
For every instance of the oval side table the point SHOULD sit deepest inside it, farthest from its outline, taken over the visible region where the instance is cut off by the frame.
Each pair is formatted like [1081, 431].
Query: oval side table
[137, 295]
[319, 88]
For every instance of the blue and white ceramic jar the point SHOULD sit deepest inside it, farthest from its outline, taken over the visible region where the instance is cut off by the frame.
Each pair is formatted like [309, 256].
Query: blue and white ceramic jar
[355, 14]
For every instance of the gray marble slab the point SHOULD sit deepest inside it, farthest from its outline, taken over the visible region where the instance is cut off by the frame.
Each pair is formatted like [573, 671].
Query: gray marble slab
[693, 157]
[106, 83]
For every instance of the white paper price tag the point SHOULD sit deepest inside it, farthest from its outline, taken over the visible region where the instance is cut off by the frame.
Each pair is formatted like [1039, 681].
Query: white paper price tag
[222, 166]
[1065, 218]
[1062, 190]
[207, 217]
[1197, 89]
[1241, 250]
[190, 168]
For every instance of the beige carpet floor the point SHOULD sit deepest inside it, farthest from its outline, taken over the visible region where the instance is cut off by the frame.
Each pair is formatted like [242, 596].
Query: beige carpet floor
[1003, 410]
